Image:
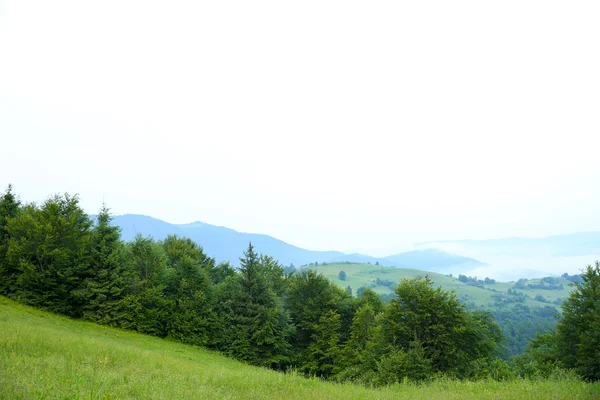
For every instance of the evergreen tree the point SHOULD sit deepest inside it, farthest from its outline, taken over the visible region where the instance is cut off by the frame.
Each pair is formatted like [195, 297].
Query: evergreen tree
[578, 331]
[399, 364]
[368, 296]
[188, 285]
[50, 248]
[311, 296]
[109, 273]
[275, 274]
[9, 207]
[260, 327]
[323, 352]
[149, 260]
[357, 357]
[220, 272]
[146, 308]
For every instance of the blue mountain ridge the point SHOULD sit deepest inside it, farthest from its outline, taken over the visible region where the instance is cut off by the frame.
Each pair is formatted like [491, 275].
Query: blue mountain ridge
[225, 244]
[568, 245]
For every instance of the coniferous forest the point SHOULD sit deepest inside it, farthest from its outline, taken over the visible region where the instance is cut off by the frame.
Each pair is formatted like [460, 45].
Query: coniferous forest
[55, 257]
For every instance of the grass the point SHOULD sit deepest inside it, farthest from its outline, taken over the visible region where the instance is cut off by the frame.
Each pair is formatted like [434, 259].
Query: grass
[360, 274]
[44, 356]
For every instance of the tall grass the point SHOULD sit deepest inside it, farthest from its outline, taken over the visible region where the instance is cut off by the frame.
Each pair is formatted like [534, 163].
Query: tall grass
[51, 357]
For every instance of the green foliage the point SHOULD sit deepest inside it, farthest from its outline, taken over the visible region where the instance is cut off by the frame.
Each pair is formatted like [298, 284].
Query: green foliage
[357, 360]
[221, 272]
[401, 365]
[342, 276]
[322, 353]
[9, 208]
[578, 331]
[47, 356]
[147, 311]
[49, 250]
[519, 316]
[450, 336]
[189, 288]
[109, 274]
[310, 297]
[540, 358]
[260, 328]
[275, 274]
[57, 259]
[149, 261]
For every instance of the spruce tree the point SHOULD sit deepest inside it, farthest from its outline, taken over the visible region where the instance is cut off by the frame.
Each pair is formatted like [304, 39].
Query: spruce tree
[146, 308]
[50, 248]
[323, 353]
[189, 287]
[260, 327]
[578, 331]
[9, 207]
[108, 275]
[310, 296]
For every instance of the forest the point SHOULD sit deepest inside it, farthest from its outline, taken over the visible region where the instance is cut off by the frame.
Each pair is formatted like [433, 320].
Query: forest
[55, 257]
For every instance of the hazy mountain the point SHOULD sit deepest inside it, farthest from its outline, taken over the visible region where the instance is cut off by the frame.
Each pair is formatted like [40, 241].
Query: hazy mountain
[516, 257]
[433, 260]
[222, 243]
[573, 244]
[226, 244]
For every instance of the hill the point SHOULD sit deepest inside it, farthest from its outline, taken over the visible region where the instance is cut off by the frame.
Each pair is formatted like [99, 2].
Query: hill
[383, 280]
[48, 356]
[225, 244]
[522, 309]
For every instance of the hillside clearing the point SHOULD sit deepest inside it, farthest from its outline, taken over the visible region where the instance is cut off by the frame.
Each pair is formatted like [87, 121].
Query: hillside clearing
[47, 356]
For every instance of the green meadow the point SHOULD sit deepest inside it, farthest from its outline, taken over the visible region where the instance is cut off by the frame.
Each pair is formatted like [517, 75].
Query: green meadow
[45, 356]
[361, 274]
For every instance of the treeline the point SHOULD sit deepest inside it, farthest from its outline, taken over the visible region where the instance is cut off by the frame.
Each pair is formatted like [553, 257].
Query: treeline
[473, 281]
[53, 256]
[547, 283]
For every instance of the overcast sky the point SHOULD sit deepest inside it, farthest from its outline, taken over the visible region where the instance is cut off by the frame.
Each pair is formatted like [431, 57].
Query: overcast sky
[329, 124]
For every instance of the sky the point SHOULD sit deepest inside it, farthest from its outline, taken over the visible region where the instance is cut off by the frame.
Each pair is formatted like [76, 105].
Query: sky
[346, 125]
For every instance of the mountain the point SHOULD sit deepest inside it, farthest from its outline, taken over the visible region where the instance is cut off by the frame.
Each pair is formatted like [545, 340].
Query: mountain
[225, 244]
[222, 243]
[433, 260]
[569, 245]
[517, 257]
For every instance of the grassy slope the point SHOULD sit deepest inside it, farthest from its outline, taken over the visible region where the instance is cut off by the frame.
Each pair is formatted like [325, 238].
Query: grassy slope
[48, 356]
[366, 274]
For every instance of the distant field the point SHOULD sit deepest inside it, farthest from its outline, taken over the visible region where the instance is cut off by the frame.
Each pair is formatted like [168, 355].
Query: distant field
[51, 357]
[358, 275]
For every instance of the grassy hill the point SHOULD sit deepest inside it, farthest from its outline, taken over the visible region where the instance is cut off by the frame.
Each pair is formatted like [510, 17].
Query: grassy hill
[491, 296]
[51, 357]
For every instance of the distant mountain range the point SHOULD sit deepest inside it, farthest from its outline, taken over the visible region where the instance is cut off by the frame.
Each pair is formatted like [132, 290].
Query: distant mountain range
[225, 244]
[569, 245]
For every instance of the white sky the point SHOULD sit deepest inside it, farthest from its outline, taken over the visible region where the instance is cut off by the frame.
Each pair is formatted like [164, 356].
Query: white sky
[329, 124]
